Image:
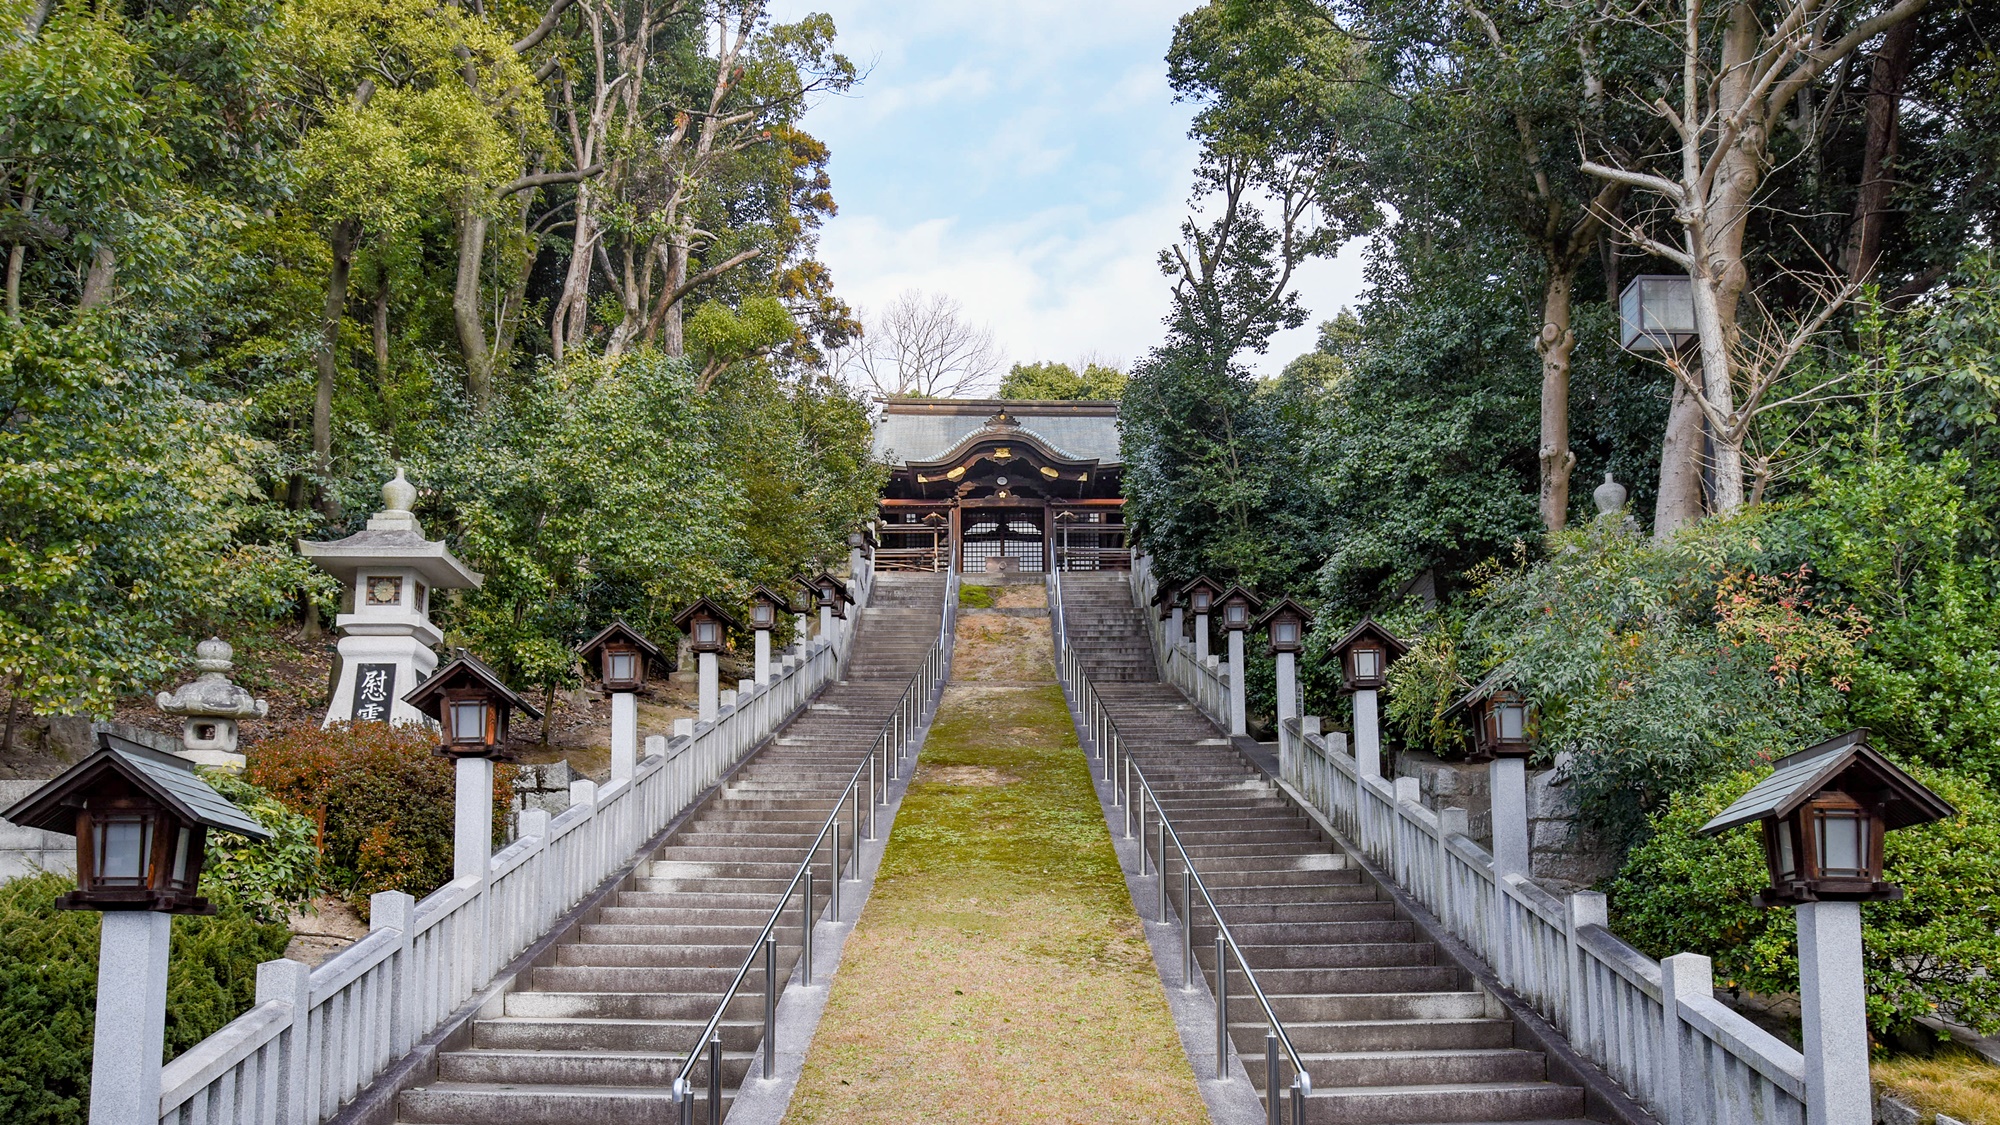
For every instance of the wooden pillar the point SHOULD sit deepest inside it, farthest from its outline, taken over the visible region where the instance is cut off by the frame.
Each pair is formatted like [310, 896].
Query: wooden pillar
[1048, 540]
[957, 528]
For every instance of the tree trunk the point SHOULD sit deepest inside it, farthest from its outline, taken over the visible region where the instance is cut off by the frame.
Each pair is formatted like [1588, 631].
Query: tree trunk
[382, 325]
[97, 282]
[326, 357]
[1885, 99]
[465, 303]
[1679, 502]
[673, 339]
[17, 256]
[573, 307]
[1555, 344]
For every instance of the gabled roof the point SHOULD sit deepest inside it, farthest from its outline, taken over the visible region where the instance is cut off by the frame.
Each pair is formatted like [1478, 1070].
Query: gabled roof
[1501, 677]
[1235, 592]
[782, 600]
[812, 584]
[1369, 628]
[705, 605]
[1200, 580]
[1283, 605]
[929, 431]
[165, 778]
[428, 697]
[1797, 777]
[619, 631]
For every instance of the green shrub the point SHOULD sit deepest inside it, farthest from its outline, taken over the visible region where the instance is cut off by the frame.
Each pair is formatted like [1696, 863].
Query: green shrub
[1936, 953]
[267, 879]
[380, 798]
[48, 992]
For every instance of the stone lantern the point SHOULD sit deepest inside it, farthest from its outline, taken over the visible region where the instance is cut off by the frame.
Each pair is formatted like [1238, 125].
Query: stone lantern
[1824, 812]
[1239, 606]
[390, 571]
[141, 820]
[766, 606]
[1201, 595]
[1504, 728]
[1286, 623]
[471, 706]
[706, 625]
[210, 708]
[623, 658]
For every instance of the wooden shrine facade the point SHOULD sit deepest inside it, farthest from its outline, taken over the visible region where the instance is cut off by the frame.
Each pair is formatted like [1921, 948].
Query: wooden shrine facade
[1020, 485]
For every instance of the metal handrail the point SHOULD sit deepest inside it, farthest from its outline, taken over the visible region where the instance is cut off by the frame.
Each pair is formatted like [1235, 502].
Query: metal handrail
[896, 732]
[1108, 744]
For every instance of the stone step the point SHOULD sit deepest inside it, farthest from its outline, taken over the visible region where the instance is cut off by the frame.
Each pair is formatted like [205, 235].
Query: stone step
[661, 1037]
[478, 1103]
[1446, 1105]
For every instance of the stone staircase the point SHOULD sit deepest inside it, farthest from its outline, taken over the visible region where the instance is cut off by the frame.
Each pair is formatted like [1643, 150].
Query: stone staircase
[596, 1033]
[1392, 1032]
[1107, 631]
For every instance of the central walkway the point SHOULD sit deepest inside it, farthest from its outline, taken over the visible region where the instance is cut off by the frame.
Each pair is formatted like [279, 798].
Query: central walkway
[998, 972]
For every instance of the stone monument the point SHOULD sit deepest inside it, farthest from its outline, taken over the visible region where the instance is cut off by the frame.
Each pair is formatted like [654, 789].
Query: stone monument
[386, 636]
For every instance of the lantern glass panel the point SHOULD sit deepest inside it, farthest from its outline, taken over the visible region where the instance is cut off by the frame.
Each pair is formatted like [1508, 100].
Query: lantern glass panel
[762, 615]
[1843, 835]
[1513, 721]
[1288, 632]
[705, 632]
[624, 666]
[1367, 663]
[1788, 860]
[468, 721]
[182, 848]
[121, 848]
[1237, 614]
[1201, 601]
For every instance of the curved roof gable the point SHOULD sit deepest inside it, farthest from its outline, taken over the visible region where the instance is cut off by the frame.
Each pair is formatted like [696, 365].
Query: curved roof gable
[931, 431]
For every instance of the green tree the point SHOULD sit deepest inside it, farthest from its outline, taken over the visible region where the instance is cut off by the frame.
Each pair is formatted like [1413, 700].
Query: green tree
[1043, 380]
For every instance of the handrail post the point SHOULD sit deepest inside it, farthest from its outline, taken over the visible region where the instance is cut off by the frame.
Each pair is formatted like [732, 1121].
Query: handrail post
[833, 876]
[806, 908]
[1143, 857]
[1160, 865]
[1274, 1109]
[715, 1080]
[770, 1005]
[1221, 1001]
[1187, 923]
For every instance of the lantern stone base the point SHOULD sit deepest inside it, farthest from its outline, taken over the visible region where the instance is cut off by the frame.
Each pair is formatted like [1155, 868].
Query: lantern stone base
[408, 662]
[131, 1017]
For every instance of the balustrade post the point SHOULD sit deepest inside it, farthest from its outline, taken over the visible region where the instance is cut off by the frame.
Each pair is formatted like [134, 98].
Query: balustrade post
[297, 1076]
[1691, 974]
[1451, 822]
[394, 910]
[1586, 908]
[1407, 789]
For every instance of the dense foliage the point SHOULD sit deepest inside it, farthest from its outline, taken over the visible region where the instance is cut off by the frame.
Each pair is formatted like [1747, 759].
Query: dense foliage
[255, 253]
[380, 801]
[48, 991]
[1046, 380]
[1936, 953]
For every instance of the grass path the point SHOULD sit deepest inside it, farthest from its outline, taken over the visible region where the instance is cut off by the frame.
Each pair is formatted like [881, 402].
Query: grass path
[998, 973]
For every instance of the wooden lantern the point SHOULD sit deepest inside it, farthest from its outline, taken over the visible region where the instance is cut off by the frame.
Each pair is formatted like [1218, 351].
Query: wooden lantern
[1365, 654]
[1285, 624]
[1503, 718]
[706, 625]
[471, 707]
[1201, 595]
[1168, 598]
[1824, 812]
[829, 593]
[767, 606]
[1239, 607]
[141, 820]
[622, 656]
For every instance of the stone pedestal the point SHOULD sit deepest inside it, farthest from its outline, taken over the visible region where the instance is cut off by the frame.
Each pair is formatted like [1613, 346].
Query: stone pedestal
[763, 668]
[1367, 734]
[709, 691]
[625, 735]
[1288, 687]
[472, 820]
[1508, 780]
[1238, 719]
[1832, 1000]
[1201, 638]
[131, 1017]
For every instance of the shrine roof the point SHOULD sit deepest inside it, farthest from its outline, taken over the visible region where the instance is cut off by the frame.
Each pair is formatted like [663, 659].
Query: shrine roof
[925, 429]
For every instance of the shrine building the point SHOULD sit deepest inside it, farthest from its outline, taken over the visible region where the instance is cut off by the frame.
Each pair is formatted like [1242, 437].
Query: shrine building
[1015, 484]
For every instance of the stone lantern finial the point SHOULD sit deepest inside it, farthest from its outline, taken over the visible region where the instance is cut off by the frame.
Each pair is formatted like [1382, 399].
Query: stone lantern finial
[211, 706]
[398, 497]
[1609, 496]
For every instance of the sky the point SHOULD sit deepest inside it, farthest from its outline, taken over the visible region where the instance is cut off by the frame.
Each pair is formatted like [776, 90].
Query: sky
[1027, 158]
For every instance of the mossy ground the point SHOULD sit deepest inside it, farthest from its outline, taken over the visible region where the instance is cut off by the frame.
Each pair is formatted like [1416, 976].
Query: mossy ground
[1953, 1081]
[998, 972]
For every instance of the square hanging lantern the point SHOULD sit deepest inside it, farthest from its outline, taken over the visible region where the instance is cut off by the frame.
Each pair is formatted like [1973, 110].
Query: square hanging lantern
[1201, 595]
[706, 625]
[1285, 624]
[1365, 654]
[622, 656]
[1656, 313]
[1824, 813]
[766, 606]
[1238, 607]
[141, 819]
[471, 706]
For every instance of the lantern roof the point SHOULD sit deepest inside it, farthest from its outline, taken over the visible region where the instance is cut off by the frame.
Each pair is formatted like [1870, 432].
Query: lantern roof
[392, 538]
[620, 633]
[1369, 630]
[1201, 581]
[776, 598]
[1501, 678]
[1235, 592]
[1845, 762]
[1283, 606]
[703, 605]
[167, 778]
[812, 584]
[465, 670]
